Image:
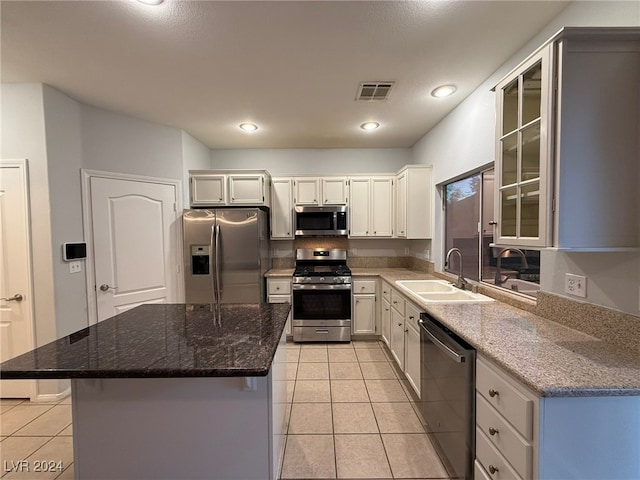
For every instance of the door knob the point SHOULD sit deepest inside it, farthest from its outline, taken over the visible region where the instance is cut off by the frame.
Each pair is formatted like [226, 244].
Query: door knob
[16, 298]
[104, 287]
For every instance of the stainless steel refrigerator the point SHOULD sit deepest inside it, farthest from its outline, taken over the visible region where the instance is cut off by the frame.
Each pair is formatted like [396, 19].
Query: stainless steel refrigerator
[226, 254]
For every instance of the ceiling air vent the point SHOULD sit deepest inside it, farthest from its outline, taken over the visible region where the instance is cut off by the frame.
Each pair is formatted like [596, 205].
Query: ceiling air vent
[374, 90]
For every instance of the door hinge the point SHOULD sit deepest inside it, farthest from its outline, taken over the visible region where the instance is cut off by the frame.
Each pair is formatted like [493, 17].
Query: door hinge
[553, 204]
[175, 207]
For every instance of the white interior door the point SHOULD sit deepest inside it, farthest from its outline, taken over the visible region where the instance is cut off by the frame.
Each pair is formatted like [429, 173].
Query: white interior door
[16, 318]
[134, 244]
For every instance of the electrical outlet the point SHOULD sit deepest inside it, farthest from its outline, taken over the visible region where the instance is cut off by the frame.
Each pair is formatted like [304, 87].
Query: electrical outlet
[75, 267]
[575, 285]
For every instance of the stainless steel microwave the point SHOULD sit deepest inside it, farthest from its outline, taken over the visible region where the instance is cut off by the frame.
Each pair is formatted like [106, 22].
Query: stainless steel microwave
[315, 221]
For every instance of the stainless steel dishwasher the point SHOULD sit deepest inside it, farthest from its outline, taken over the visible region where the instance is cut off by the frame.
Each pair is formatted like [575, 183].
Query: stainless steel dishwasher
[448, 366]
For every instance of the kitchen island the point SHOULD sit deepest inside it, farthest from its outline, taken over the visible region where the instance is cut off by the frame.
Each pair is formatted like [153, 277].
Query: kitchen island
[173, 391]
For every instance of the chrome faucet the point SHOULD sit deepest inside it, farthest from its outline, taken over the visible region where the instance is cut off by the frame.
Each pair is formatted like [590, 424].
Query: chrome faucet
[499, 280]
[460, 282]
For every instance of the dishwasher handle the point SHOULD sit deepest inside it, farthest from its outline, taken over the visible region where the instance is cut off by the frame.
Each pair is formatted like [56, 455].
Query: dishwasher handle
[453, 355]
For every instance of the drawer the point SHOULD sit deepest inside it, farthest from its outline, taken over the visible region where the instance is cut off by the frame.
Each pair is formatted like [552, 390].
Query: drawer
[279, 298]
[364, 286]
[412, 316]
[490, 458]
[505, 438]
[478, 472]
[502, 395]
[386, 291]
[279, 287]
[397, 301]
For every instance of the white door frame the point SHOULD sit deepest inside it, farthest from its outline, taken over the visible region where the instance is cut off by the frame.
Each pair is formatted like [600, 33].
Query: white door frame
[92, 303]
[23, 166]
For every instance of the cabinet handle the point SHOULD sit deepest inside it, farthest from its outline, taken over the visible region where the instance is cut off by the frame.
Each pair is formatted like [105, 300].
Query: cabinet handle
[492, 469]
[406, 330]
[492, 431]
[399, 324]
[326, 201]
[386, 309]
[411, 317]
[493, 222]
[493, 393]
[395, 302]
[375, 233]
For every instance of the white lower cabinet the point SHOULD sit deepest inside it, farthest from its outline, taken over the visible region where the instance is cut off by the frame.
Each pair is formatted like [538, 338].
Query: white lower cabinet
[385, 314]
[412, 347]
[364, 306]
[279, 291]
[404, 333]
[504, 424]
[523, 436]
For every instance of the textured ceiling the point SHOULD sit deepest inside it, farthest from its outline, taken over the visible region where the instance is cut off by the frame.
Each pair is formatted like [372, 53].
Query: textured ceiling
[291, 67]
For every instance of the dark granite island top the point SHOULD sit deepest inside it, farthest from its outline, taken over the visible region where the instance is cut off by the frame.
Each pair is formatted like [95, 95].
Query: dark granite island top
[161, 341]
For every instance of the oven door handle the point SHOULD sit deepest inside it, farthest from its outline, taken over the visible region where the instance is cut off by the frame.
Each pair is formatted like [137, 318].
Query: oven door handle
[441, 345]
[320, 286]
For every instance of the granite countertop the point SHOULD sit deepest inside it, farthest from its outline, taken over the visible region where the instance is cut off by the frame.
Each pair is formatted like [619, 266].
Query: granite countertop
[169, 340]
[279, 272]
[551, 359]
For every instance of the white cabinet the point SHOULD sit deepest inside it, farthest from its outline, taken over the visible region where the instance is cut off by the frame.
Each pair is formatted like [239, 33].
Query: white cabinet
[371, 206]
[211, 188]
[385, 313]
[207, 189]
[567, 144]
[364, 306]
[397, 332]
[334, 191]
[279, 291]
[247, 189]
[504, 423]
[413, 202]
[282, 208]
[412, 347]
[306, 191]
[320, 190]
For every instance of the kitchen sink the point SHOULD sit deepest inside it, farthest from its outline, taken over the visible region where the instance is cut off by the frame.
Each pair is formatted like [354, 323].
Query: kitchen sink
[440, 291]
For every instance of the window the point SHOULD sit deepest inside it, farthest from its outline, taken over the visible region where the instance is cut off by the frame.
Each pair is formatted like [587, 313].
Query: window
[468, 226]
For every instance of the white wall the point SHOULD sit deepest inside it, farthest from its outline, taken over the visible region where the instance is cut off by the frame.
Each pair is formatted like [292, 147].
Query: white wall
[113, 142]
[23, 136]
[195, 156]
[64, 156]
[463, 141]
[314, 161]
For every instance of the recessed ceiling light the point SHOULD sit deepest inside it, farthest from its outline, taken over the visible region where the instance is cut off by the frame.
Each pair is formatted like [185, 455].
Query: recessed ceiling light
[443, 91]
[248, 127]
[369, 125]
[151, 2]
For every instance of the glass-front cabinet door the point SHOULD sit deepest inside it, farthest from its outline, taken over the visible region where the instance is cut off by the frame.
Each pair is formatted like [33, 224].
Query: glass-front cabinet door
[523, 153]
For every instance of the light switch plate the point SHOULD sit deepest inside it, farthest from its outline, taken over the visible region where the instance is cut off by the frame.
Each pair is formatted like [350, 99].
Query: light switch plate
[575, 285]
[75, 267]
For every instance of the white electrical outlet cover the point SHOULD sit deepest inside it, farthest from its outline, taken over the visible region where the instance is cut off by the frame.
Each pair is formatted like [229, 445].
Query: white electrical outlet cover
[75, 267]
[575, 285]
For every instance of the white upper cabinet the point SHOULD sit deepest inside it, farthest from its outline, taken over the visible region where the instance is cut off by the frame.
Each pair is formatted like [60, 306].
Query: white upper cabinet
[246, 189]
[306, 191]
[567, 149]
[211, 188]
[320, 190]
[334, 191]
[371, 206]
[523, 177]
[282, 208]
[207, 189]
[413, 202]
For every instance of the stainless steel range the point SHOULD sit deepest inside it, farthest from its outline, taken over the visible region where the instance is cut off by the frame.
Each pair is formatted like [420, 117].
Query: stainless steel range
[321, 296]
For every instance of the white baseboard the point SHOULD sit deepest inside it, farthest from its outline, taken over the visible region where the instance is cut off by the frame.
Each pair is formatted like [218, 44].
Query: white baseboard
[52, 397]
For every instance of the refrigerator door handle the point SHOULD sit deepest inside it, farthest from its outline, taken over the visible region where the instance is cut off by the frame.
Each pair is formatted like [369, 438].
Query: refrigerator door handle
[218, 282]
[212, 260]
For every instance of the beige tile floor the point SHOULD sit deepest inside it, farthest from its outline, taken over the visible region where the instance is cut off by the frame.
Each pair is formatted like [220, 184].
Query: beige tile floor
[350, 417]
[36, 436]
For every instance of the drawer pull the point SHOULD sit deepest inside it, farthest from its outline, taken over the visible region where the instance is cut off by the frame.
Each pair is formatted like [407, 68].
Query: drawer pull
[492, 469]
[493, 393]
[493, 431]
